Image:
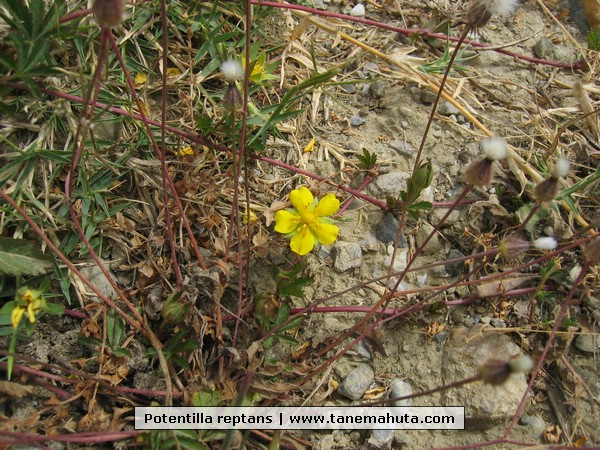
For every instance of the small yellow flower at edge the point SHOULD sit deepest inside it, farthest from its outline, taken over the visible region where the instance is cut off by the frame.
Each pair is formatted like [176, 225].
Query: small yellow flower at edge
[307, 222]
[29, 303]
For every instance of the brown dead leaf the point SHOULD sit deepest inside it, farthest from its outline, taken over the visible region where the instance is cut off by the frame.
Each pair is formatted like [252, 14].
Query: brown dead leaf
[14, 390]
[495, 287]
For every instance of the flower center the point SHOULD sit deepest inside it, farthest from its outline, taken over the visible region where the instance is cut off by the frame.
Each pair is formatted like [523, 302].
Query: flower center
[308, 218]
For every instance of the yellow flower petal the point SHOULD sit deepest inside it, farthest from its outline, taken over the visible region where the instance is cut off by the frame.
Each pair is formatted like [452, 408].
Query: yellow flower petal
[303, 241]
[326, 233]
[285, 221]
[16, 315]
[301, 199]
[328, 206]
[31, 312]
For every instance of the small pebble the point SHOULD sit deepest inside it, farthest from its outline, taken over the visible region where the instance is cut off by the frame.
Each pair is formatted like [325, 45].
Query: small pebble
[357, 382]
[357, 121]
[377, 89]
[442, 337]
[498, 323]
[544, 48]
[400, 388]
[587, 343]
[486, 320]
[427, 96]
[358, 10]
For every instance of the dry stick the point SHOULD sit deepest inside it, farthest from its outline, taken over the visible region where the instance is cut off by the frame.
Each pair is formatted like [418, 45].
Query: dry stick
[163, 144]
[541, 360]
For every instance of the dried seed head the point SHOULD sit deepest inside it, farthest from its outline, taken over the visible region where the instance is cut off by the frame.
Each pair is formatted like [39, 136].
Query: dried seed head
[545, 243]
[510, 247]
[480, 12]
[108, 13]
[232, 101]
[480, 172]
[592, 252]
[496, 371]
[232, 70]
[547, 189]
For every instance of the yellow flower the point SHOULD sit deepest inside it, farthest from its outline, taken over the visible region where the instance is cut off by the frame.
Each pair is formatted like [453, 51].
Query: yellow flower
[307, 222]
[29, 303]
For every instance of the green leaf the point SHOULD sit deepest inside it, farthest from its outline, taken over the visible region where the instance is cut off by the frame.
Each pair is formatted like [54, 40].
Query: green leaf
[367, 160]
[115, 328]
[21, 257]
[594, 40]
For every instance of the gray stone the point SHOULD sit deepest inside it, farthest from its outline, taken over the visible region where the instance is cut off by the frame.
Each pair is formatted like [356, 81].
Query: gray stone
[535, 424]
[324, 251]
[498, 323]
[457, 268]
[544, 48]
[400, 388]
[377, 89]
[389, 184]
[369, 243]
[371, 67]
[464, 354]
[400, 261]
[357, 121]
[434, 245]
[357, 382]
[347, 255]
[380, 440]
[447, 109]
[587, 343]
[437, 215]
[388, 229]
[427, 96]
[349, 88]
[363, 350]
[403, 147]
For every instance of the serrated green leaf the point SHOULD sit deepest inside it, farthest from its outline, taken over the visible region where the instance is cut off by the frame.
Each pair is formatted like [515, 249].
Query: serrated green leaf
[21, 257]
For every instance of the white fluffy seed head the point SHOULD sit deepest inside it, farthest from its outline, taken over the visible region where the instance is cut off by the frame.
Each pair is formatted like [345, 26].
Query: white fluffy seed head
[561, 168]
[358, 10]
[232, 70]
[545, 243]
[494, 148]
[522, 364]
[501, 7]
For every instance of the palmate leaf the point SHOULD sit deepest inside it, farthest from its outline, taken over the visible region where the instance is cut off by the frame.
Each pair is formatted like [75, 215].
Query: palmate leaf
[21, 257]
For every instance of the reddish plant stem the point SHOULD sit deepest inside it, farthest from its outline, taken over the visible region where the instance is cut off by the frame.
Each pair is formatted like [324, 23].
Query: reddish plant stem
[161, 157]
[368, 179]
[79, 142]
[136, 325]
[540, 362]
[163, 144]
[243, 273]
[420, 32]
[76, 438]
[18, 368]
